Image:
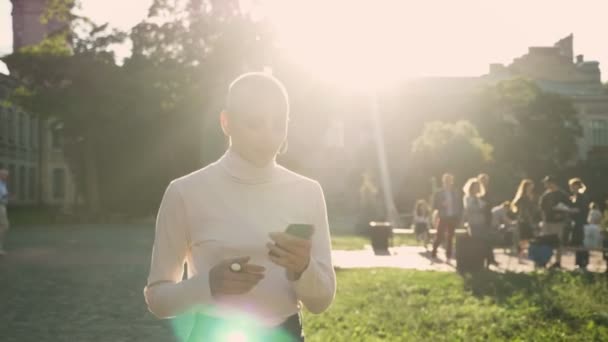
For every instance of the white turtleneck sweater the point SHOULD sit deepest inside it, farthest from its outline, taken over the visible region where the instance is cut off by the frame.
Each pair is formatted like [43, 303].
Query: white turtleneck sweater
[227, 210]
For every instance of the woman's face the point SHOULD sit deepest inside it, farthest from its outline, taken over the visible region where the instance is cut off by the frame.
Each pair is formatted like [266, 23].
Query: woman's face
[256, 136]
[575, 188]
[530, 189]
[475, 188]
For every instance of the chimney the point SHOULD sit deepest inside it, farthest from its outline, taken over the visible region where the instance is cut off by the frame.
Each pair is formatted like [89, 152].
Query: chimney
[580, 59]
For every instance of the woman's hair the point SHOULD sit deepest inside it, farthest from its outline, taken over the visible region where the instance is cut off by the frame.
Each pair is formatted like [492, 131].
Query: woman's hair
[521, 192]
[421, 204]
[579, 182]
[593, 206]
[256, 91]
[469, 185]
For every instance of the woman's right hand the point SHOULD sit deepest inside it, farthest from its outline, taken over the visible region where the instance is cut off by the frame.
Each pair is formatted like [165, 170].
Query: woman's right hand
[224, 281]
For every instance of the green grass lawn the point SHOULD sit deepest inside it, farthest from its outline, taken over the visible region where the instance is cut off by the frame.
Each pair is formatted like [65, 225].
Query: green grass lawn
[399, 305]
[84, 283]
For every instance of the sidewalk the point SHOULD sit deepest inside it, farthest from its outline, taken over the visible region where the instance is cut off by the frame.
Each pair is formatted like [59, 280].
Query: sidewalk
[416, 257]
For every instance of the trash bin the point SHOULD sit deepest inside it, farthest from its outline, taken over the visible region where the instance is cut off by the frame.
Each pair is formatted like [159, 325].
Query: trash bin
[380, 233]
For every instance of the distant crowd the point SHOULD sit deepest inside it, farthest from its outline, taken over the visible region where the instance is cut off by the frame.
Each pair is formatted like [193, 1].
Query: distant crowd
[536, 227]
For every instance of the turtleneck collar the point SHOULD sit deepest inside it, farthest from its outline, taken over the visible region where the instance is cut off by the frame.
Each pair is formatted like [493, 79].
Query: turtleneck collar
[243, 171]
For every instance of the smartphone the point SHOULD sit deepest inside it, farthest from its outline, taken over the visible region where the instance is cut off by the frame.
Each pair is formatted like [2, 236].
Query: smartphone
[300, 230]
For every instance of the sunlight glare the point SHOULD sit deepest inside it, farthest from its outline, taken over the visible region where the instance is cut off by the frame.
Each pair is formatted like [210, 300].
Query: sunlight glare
[359, 45]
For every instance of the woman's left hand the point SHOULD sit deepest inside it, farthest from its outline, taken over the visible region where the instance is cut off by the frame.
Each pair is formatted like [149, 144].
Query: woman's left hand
[290, 252]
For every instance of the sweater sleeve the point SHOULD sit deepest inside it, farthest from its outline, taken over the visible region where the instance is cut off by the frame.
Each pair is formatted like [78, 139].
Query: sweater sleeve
[166, 293]
[316, 287]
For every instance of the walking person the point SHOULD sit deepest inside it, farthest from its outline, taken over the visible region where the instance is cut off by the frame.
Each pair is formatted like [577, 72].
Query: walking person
[227, 221]
[447, 202]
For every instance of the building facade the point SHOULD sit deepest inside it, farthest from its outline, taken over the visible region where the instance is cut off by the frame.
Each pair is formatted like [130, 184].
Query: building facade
[557, 70]
[31, 147]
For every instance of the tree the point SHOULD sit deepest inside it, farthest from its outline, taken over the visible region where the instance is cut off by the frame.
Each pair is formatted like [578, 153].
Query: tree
[450, 147]
[79, 85]
[533, 132]
[131, 128]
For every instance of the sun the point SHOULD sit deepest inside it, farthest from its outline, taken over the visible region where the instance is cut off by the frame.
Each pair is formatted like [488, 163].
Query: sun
[357, 45]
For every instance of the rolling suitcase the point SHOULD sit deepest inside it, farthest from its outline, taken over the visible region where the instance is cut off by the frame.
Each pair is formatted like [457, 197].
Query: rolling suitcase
[470, 254]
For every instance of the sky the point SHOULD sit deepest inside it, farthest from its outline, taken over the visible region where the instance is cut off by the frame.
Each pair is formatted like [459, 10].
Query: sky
[440, 38]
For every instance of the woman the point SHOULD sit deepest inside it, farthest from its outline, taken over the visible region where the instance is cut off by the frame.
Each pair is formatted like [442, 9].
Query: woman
[580, 202]
[524, 206]
[245, 275]
[475, 214]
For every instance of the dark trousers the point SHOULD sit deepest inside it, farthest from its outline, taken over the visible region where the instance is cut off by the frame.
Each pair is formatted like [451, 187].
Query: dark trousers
[209, 328]
[445, 230]
[578, 235]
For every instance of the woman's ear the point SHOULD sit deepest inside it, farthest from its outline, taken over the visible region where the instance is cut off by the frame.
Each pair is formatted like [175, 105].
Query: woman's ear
[224, 122]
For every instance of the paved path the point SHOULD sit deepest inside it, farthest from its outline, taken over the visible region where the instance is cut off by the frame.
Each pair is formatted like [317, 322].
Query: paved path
[413, 257]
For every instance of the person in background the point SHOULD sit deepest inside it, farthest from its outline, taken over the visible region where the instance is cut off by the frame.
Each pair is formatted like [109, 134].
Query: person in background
[501, 216]
[488, 196]
[594, 223]
[447, 202]
[555, 207]
[580, 204]
[422, 222]
[594, 213]
[475, 215]
[524, 207]
[504, 223]
[4, 197]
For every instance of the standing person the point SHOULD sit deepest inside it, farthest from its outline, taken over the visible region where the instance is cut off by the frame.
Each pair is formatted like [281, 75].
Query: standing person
[554, 205]
[4, 197]
[488, 195]
[227, 222]
[448, 204]
[422, 222]
[490, 201]
[524, 206]
[475, 214]
[580, 203]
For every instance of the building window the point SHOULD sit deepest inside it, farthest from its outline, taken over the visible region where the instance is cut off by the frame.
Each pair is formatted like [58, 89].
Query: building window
[33, 132]
[599, 132]
[55, 137]
[22, 129]
[2, 124]
[22, 182]
[10, 125]
[12, 178]
[58, 183]
[32, 183]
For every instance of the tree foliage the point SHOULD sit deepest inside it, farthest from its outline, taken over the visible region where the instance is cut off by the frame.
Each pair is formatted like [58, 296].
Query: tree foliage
[129, 128]
[456, 147]
[533, 132]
